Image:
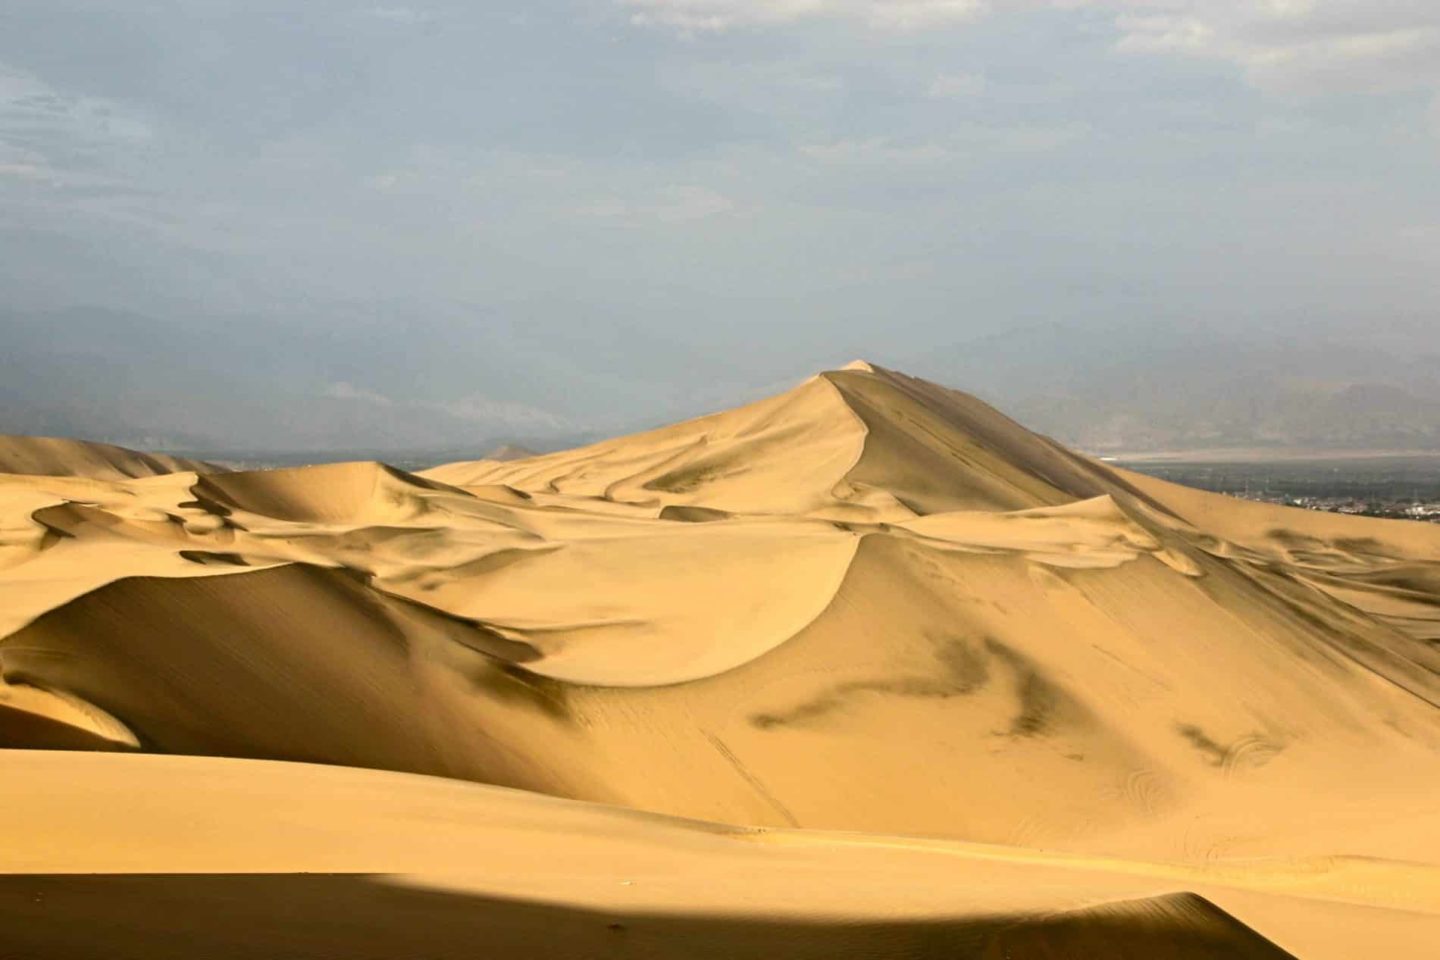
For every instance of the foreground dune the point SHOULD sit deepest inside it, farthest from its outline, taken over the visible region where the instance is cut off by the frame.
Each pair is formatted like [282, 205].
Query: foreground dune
[869, 604]
[297, 860]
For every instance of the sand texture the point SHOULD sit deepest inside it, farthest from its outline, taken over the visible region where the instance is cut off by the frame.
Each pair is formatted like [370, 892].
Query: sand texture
[864, 669]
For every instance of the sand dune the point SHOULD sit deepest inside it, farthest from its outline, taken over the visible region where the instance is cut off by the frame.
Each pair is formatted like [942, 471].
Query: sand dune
[510, 451]
[868, 604]
[57, 456]
[291, 860]
[849, 444]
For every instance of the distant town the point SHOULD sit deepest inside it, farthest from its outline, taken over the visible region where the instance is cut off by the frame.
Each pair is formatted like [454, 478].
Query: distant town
[1388, 509]
[1396, 488]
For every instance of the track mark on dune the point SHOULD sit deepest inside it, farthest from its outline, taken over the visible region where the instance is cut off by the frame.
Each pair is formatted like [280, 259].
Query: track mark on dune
[1247, 752]
[1145, 789]
[964, 670]
[963, 667]
[755, 782]
[1039, 699]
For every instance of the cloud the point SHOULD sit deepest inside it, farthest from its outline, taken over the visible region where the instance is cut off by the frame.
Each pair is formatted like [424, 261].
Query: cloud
[676, 204]
[382, 181]
[875, 151]
[35, 115]
[59, 140]
[963, 141]
[402, 15]
[701, 16]
[956, 86]
[348, 391]
[686, 203]
[1295, 46]
[1289, 46]
[503, 413]
[24, 171]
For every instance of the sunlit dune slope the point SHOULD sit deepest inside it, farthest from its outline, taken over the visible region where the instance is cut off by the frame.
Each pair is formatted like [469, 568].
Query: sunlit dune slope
[867, 604]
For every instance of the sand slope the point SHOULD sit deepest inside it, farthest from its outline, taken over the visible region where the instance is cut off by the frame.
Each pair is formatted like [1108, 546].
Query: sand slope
[57, 456]
[298, 860]
[868, 604]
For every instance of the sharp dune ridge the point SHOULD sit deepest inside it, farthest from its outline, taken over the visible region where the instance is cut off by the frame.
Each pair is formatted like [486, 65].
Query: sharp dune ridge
[872, 625]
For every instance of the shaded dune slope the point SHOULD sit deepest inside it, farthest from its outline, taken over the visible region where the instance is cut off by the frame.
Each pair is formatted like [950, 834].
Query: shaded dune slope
[259, 917]
[57, 456]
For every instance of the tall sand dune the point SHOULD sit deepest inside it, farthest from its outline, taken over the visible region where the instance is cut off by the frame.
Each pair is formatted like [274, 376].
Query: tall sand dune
[869, 618]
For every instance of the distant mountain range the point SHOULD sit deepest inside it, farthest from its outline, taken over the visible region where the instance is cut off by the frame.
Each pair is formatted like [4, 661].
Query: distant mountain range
[1150, 389]
[382, 381]
[356, 383]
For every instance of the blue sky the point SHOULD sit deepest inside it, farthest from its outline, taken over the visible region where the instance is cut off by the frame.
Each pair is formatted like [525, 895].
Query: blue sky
[738, 191]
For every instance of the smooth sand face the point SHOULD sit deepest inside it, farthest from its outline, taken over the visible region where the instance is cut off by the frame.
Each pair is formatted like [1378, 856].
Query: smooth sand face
[867, 605]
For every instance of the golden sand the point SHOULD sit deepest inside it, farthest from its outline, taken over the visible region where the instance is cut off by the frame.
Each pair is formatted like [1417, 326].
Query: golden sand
[919, 682]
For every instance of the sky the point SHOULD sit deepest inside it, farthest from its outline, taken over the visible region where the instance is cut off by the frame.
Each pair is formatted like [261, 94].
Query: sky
[683, 203]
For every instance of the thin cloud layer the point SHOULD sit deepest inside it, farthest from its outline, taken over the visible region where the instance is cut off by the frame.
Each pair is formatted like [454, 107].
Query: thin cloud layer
[46, 134]
[1297, 46]
[693, 16]
[1290, 46]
